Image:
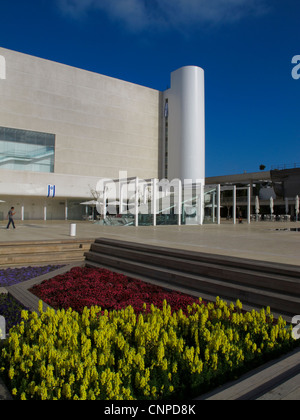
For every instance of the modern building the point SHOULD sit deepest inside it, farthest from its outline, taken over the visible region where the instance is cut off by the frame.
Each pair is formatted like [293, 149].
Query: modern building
[62, 129]
[278, 188]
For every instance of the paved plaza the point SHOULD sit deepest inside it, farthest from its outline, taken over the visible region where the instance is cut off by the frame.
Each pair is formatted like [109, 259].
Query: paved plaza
[266, 241]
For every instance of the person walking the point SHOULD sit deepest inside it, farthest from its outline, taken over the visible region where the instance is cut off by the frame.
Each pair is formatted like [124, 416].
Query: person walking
[240, 217]
[11, 213]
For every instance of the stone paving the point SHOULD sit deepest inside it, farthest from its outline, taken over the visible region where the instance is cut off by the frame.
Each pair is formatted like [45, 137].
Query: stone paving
[266, 241]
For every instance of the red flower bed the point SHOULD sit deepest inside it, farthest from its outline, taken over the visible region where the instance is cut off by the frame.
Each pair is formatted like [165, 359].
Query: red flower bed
[82, 287]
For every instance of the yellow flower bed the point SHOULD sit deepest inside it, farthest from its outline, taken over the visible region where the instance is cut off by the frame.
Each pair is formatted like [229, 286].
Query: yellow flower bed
[118, 355]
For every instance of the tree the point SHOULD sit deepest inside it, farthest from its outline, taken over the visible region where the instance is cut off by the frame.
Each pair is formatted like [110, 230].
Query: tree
[262, 167]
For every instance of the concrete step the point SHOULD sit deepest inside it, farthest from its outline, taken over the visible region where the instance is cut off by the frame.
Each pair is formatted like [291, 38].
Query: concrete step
[262, 266]
[269, 281]
[38, 252]
[41, 248]
[207, 274]
[226, 290]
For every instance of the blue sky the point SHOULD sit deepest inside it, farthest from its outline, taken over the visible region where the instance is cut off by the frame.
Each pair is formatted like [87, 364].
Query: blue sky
[245, 47]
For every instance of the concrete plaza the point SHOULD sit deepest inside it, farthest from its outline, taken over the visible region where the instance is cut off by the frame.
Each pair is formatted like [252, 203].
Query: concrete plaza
[265, 241]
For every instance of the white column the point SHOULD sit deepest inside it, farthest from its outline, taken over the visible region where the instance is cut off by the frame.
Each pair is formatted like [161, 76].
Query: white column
[249, 204]
[154, 200]
[121, 195]
[104, 203]
[200, 203]
[187, 124]
[136, 202]
[213, 207]
[219, 204]
[22, 212]
[66, 210]
[234, 205]
[145, 186]
[123, 191]
[179, 201]
[45, 212]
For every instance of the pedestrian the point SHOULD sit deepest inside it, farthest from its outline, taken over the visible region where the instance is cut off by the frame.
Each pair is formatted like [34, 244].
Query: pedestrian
[11, 213]
[240, 217]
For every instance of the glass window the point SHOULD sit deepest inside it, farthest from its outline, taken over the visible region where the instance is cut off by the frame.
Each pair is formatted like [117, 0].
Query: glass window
[25, 150]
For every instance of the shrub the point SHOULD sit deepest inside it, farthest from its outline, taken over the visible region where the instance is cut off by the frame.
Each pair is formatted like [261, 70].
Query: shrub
[121, 355]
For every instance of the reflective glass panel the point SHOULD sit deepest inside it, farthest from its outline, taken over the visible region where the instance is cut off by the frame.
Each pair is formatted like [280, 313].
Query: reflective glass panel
[25, 150]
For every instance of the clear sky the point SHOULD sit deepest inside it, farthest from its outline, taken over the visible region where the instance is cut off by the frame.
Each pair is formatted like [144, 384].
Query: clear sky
[245, 47]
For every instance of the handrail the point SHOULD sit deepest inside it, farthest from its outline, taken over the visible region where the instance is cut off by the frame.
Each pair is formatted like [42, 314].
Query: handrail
[284, 166]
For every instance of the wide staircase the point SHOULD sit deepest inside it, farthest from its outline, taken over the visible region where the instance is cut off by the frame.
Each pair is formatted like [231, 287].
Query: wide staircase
[14, 254]
[257, 284]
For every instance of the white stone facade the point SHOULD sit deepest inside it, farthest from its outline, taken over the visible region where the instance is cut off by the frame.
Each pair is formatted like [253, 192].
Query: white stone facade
[101, 126]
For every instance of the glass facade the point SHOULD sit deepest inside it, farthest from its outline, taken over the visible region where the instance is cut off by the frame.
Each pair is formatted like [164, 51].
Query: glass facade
[25, 150]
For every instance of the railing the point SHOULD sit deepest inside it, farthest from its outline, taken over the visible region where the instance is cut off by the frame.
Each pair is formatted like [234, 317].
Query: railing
[285, 166]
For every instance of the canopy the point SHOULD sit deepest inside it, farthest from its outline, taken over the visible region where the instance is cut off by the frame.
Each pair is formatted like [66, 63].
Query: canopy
[90, 203]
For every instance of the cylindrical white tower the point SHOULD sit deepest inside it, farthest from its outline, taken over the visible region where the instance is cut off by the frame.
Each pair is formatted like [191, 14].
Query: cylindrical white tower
[186, 125]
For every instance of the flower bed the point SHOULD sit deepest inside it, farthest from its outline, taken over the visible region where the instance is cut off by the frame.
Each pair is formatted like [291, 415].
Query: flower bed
[11, 310]
[148, 350]
[86, 287]
[121, 355]
[11, 276]
[9, 307]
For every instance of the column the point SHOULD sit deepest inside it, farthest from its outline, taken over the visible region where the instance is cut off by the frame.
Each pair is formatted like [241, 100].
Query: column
[179, 201]
[154, 200]
[200, 204]
[66, 210]
[45, 212]
[22, 212]
[136, 202]
[249, 204]
[213, 207]
[219, 204]
[145, 198]
[121, 197]
[104, 202]
[234, 205]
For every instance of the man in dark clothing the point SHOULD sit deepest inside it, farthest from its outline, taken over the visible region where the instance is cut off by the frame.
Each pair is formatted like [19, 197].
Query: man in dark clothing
[11, 213]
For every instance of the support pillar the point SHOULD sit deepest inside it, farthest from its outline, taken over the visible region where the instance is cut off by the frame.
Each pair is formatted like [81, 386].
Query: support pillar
[66, 210]
[234, 205]
[179, 204]
[249, 204]
[218, 204]
[154, 200]
[136, 202]
[121, 195]
[200, 204]
[104, 203]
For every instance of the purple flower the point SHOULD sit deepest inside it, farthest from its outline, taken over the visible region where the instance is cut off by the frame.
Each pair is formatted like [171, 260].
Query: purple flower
[11, 276]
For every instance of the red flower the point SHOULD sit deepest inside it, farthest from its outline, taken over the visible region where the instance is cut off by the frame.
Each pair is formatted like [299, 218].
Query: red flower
[82, 287]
